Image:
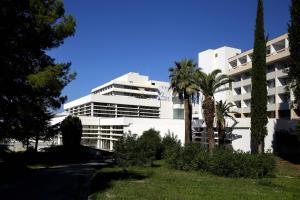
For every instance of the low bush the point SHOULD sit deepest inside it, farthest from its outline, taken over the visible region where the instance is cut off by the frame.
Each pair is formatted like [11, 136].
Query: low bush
[131, 150]
[169, 142]
[224, 162]
[150, 145]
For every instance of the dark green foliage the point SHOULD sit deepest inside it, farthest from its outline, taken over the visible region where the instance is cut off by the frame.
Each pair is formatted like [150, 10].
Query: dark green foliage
[31, 81]
[259, 117]
[131, 150]
[224, 162]
[294, 41]
[223, 112]
[126, 151]
[297, 130]
[169, 142]
[71, 129]
[150, 145]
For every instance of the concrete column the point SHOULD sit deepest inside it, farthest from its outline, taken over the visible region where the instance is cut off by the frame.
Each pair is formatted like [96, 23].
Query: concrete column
[92, 109]
[272, 49]
[58, 139]
[238, 62]
[286, 43]
[111, 145]
[248, 58]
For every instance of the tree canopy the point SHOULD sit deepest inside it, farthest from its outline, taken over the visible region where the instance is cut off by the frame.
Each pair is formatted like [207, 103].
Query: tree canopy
[259, 117]
[31, 81]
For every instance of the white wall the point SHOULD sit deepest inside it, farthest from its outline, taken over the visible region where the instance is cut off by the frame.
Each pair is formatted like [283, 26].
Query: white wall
[210, 60]
[139, 125]
[242, 129]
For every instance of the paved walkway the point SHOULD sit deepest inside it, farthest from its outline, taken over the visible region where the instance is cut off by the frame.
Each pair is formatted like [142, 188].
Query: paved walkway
[66, 182]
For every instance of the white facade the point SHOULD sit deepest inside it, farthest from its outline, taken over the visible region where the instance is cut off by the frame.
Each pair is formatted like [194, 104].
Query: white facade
[238, 66]
[213, 59]
[133, 103]
[130, 103]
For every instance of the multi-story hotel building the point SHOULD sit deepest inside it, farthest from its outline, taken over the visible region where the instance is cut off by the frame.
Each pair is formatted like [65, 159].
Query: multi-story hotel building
[238, 66]
[129, 103]
[132, 103]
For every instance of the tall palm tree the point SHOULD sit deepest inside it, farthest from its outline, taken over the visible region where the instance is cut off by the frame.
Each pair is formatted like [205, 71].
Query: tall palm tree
[223, 112]
[183, 84]
[209, 84]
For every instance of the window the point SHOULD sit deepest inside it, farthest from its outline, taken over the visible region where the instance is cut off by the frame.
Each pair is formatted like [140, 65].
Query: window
[178, 113]
[216, 55]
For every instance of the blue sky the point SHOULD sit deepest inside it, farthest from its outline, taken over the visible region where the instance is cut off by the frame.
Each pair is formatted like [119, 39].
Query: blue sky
[114, 37]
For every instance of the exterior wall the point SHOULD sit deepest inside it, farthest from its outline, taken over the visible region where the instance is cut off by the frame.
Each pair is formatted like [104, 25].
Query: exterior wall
[210, 60]
[102, 133]
[280, 104]
[164, 126]
[241, 133]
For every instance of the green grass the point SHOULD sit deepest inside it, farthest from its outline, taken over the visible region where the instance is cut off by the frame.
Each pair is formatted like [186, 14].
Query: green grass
[163, 183]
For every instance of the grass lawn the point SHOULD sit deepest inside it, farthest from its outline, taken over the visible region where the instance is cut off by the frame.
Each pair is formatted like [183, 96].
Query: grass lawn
[163, 183]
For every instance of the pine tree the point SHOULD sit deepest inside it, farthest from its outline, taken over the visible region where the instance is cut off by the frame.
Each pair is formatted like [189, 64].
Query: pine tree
[294, 41]
[31, 81]
[259, 117]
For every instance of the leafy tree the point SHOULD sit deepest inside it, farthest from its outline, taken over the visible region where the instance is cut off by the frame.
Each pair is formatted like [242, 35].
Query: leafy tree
[259, 117]
[222, 112]
[183, 84]
[71, 129]
[209, 84]
[294, 41]
[150, 145]
[31, 81]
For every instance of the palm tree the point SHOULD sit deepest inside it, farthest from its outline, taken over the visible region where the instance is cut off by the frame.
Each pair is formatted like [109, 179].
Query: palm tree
[183, 84]
[209, 84]
[222, 112]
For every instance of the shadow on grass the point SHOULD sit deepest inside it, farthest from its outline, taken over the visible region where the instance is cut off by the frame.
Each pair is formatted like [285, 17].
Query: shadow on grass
[53, 174]
[269, 183]
[103, 180]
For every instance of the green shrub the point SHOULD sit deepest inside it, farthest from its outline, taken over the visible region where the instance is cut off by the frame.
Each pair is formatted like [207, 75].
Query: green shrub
[150, 145]
[71, 129]
[131, 150]
[126, 151]
[224, 162]
[169, 142]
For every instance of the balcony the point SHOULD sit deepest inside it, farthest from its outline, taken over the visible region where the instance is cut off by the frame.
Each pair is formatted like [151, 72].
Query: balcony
[271, 91]
[280, 54]
[271, 75]
[236, 84]
[238, 110]
[236, 97]
[247, 96]
[281, 90]
[271, 107]
[247, 81]
[281, 73]
[246, 109]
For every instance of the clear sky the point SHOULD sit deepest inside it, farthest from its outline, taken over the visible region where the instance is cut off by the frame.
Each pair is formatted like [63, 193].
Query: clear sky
[114, 37]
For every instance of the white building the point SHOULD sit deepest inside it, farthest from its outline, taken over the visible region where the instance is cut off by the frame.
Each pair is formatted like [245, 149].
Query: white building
[133, 103]
[129, 103]
[238, 66]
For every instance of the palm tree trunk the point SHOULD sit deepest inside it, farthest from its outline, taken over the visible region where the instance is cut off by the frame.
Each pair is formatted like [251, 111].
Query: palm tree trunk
[187, 119]
[36, 142]
[209, 112]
